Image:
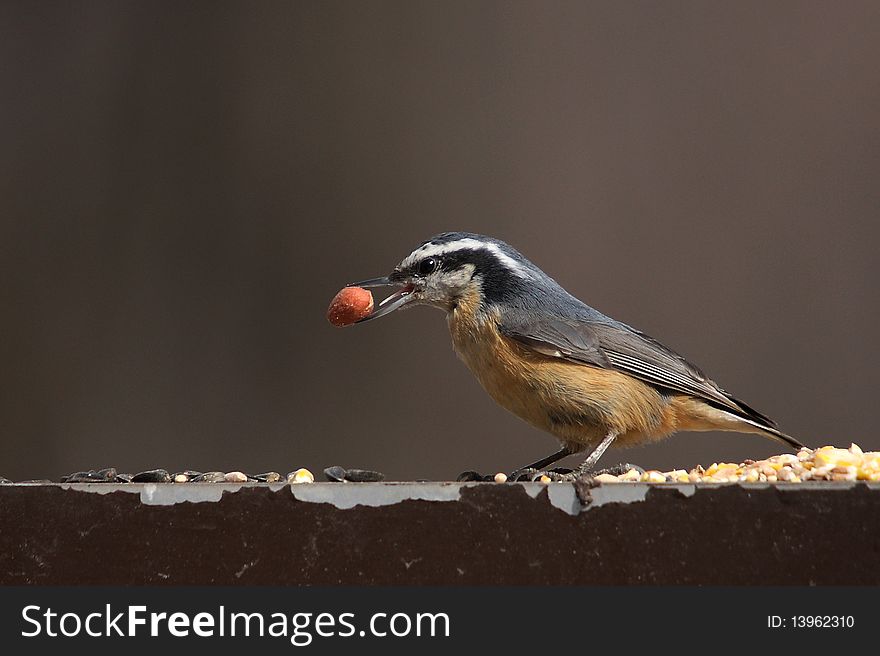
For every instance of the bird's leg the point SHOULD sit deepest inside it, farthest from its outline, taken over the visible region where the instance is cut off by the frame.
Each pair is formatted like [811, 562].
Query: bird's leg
[587, 465]
[540, 464]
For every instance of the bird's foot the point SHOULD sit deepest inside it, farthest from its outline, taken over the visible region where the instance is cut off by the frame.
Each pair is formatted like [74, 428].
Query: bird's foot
[561, 474]
[530, 474]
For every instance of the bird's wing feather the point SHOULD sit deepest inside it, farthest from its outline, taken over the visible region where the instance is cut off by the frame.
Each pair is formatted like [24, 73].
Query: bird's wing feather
[619, 347]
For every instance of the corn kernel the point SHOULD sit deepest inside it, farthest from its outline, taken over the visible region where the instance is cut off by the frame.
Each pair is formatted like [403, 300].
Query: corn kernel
[301, 475]
[653, 476]
[829, 455]
[632, 475]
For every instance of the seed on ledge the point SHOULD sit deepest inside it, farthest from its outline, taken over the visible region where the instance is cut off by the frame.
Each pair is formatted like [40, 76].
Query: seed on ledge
[301, 475]
[363, 476]
[235, 477]
[268, 477]
[123, 478]
[210, 477]
[829, 455]
[632, 475]
[335, 474]
[152, 476]
[500, 477]
[90, 476]
[108, 474]
[185, 476]
[5, 481]
[544, 479]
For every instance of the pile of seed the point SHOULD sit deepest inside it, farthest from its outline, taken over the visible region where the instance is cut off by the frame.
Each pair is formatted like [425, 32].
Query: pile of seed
[825, 464]
[110, 475]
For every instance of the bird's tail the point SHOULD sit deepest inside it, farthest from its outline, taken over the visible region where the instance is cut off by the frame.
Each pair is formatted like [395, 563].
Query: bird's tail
[761, 422]
[773, 433]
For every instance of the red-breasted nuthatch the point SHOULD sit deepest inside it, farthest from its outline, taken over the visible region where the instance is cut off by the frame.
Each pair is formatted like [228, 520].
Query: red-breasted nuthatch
[556, 362]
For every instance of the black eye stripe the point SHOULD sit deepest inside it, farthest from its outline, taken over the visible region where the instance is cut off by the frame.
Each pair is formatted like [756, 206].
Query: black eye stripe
[498, 282]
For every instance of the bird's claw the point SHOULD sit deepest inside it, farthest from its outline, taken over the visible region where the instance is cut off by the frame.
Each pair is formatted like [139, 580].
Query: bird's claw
[523, 475]
[530, 474]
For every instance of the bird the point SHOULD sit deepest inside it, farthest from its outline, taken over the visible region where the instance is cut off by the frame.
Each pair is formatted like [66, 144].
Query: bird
[557, 363]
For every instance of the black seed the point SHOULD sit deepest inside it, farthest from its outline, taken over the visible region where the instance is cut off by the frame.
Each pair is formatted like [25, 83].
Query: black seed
[363, 476]
[268, 477]
[335, 474]
[152, 476]
[90, 476]
[108, 474]
[123, 478]
[210, 477]
[468, 476]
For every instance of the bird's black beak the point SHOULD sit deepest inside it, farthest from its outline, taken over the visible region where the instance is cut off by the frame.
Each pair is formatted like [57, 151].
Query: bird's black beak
[394, 302]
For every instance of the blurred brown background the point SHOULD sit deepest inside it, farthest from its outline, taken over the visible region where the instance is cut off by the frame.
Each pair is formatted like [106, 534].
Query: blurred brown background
[185, 185]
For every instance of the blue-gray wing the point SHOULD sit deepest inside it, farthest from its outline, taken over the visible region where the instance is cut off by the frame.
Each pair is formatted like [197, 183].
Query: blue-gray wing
[619, 347]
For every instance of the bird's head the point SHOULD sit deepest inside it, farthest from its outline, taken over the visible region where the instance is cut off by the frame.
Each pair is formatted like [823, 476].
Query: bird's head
[452, 266]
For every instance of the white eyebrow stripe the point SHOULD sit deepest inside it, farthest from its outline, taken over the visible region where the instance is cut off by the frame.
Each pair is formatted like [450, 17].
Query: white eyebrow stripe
[428, 250]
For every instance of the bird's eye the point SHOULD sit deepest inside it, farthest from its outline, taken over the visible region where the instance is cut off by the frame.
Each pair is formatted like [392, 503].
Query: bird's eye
[428, 265]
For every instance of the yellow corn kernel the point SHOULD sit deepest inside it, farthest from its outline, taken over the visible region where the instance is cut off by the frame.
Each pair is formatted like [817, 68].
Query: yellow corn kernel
[301, 475]
[829, 455]
[752, 476]
[632, 475]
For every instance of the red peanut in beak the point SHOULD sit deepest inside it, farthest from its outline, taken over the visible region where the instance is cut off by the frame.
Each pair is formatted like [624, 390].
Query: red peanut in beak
[349, 306]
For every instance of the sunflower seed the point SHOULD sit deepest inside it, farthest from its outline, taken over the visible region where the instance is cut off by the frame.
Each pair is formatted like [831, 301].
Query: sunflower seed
[210, 477]
[363, 476]
[152, 476]
[335, 474]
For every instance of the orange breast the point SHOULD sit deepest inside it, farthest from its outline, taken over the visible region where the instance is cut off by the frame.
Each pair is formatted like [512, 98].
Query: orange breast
[577, 403]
